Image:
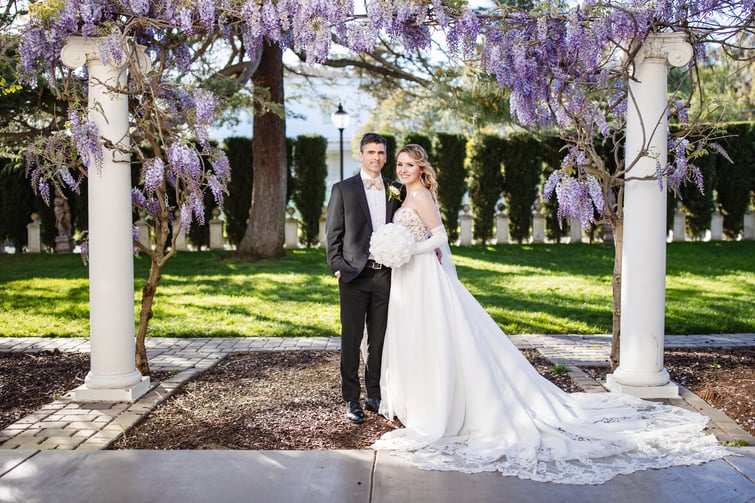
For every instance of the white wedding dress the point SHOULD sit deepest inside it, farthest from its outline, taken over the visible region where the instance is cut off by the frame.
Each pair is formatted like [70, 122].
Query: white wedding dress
[470, 401]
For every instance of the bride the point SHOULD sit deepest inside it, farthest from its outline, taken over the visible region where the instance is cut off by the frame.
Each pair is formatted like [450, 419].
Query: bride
[468, 399]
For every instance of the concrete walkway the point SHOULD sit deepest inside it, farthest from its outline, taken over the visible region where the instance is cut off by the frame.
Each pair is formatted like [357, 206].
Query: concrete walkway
[56, 454]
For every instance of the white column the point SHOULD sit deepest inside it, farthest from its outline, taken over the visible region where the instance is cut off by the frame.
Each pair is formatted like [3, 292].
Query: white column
[643, 273]
[113, 376]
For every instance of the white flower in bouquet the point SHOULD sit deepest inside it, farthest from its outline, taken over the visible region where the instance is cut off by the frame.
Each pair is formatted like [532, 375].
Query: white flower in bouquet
[391, 245]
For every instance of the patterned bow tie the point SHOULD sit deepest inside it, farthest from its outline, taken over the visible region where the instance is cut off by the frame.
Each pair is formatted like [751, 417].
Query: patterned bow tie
[377, 183]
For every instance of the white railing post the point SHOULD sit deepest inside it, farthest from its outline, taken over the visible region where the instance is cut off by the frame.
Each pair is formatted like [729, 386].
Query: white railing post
[33, 235]
[291, 229]
[465, 222]
[217, 242]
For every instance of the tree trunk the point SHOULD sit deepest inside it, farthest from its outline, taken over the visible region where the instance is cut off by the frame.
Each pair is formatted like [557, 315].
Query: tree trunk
[145, 314]
[157, 261]
[264, 235]
[618, 241]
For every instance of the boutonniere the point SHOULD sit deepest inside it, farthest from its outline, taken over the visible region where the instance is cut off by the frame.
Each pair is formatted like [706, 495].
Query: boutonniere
[394, 193]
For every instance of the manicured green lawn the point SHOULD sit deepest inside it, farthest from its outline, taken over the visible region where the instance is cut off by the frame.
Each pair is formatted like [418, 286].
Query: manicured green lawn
[528, 289]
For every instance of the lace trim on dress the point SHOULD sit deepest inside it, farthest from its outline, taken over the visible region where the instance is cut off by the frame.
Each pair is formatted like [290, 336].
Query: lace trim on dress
[671, 436]
[409, 219]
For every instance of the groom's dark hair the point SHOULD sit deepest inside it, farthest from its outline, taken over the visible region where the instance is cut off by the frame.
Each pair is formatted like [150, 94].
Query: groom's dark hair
[372, 138]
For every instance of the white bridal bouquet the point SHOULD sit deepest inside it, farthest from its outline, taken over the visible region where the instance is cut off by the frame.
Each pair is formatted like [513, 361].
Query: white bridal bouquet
[391, 245]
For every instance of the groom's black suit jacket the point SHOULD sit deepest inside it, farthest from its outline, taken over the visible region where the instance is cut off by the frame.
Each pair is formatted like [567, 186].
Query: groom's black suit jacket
[349, 226]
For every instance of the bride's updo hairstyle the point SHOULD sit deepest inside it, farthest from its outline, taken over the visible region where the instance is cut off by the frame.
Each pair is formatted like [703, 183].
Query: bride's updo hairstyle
[427, 174]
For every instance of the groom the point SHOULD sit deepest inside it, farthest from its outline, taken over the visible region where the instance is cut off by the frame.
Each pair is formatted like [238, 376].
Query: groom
[357, 207]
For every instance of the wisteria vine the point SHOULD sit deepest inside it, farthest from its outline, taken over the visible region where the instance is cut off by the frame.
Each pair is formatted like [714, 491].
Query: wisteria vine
[566, 66]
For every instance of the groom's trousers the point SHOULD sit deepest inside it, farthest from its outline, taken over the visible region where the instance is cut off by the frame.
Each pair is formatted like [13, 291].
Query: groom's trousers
[364, 302]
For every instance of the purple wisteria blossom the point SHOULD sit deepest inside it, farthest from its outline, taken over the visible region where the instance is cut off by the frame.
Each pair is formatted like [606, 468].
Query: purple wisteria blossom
[139, 7]
[185, 21]
[462, 34]
[579, 194]
[111, 49]
[271, 22]
[184, 163]
[222, 169]
[185, 216]
[362, 36]
[65, 175]
[205, 105]
[87, 139]
[565, 65]
[43, 188]
[681, 170]
[135, 236]
[578, 199]
[138, 198]
[182, 57]
[206, 13]
[153, 173]
[217, 189]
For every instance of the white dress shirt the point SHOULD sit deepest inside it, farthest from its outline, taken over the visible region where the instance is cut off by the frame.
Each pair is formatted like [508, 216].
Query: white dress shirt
[376, 202]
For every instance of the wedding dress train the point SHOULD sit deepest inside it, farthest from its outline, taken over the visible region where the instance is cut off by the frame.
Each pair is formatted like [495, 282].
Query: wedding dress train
[470, 401]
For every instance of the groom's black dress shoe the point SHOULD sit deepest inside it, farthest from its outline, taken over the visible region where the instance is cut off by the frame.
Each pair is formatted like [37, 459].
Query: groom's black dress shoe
[372, 404]
[354, 412]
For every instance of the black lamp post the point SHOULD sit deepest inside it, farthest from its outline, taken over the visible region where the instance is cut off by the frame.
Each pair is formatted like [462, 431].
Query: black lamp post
[340, 120]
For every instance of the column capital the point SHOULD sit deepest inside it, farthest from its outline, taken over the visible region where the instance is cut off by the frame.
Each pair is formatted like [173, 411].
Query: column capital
[672, 48]
[80, 51]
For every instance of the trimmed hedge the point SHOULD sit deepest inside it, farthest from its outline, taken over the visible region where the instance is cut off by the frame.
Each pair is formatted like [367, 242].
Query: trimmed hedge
[449, 151]
[699, 205]
[485, 152]
[389, 170]
[736, 181]
[423, 141]
[17, 203]
[238, 202]
[486, 165]
[521, 175]
[310, 172]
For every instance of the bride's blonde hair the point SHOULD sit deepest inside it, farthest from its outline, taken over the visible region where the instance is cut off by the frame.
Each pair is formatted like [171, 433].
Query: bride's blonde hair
[427, 174]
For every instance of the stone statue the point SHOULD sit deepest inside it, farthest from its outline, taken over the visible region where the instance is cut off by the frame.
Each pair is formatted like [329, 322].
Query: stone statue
[64, 241]
[62, 216]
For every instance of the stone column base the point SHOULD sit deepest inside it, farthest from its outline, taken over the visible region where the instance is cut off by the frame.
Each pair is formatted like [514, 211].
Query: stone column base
[64, 244]
[128, 394]
[668, 390]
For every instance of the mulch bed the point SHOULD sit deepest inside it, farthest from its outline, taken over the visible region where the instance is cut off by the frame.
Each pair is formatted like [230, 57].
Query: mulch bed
[269, 400]
[30, 380]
